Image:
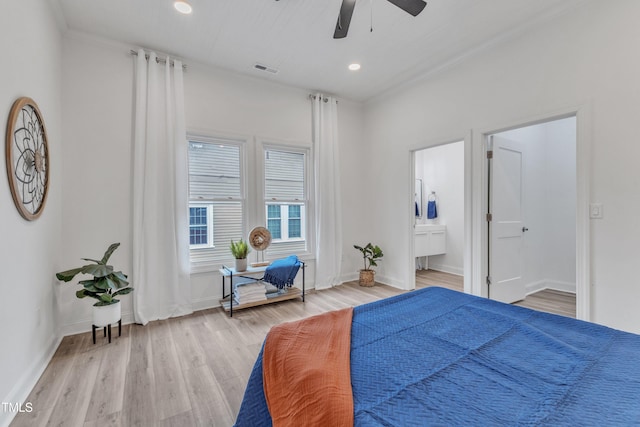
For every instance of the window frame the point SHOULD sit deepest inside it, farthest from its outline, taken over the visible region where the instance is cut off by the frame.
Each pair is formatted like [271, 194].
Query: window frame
[307, 220]
[199, 260]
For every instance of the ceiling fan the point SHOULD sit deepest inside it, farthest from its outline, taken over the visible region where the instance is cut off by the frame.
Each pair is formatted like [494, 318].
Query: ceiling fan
[414, 7]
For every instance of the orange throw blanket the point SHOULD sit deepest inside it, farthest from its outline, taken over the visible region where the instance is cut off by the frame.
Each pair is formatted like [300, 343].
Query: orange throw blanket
[306, 371]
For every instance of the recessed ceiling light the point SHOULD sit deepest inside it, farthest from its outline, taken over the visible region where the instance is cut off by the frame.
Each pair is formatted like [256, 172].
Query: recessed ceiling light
[354, 67]
[183, 7]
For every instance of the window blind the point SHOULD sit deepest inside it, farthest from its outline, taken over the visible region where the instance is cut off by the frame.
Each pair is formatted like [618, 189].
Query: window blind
[284, 175]
[214, 171]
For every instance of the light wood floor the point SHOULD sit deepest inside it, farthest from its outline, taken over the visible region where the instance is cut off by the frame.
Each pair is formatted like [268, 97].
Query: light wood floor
[550, 301]
[187, 371]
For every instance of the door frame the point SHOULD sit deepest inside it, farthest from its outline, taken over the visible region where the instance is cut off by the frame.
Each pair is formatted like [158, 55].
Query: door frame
[480, 207]
[467, 139]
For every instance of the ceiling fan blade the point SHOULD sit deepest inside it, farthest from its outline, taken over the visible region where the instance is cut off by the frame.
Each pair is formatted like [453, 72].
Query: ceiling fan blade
[344, 19]
[414, 7]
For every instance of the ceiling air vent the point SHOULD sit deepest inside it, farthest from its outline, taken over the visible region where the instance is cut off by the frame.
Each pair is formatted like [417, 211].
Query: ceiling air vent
[265, 68]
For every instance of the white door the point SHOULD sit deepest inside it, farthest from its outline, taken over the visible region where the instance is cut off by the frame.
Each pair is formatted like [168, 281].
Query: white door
[506, 227]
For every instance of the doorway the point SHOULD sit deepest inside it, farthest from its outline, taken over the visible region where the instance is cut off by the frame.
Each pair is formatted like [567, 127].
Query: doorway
[438, 237]
[532, 210]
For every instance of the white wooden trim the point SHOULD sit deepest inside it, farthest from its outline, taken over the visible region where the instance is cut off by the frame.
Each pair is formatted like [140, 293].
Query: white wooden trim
[391, 281]
[447, 269]
[556, 285]
[583, 183]
[469, 239]
[583, 230]
[259, 217]
[479, 209]
[410, 282]
[84, 325]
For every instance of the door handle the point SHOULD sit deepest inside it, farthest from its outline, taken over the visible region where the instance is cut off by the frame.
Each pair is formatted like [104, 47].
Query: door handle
[524, 229]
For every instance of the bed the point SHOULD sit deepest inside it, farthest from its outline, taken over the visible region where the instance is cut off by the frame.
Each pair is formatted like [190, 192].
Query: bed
[440, 357]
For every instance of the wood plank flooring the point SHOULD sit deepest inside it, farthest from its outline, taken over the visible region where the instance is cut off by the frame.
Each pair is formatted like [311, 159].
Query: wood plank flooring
[187, 371]
[548, 300]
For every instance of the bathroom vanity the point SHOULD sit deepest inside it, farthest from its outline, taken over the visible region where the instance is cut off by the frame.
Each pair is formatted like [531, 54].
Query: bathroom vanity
[429, 239]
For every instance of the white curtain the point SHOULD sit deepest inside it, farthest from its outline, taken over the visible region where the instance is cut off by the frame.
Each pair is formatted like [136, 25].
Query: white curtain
[160, 184]
[327, 191]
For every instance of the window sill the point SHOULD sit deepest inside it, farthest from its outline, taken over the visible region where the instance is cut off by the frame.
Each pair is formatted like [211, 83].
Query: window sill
[214, 267]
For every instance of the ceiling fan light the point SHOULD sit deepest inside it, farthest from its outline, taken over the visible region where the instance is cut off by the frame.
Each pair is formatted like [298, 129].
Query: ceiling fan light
[354, 66]
[183, 7]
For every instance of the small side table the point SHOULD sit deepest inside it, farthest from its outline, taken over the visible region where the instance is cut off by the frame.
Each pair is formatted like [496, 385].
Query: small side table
[255, 272]
[106, 329]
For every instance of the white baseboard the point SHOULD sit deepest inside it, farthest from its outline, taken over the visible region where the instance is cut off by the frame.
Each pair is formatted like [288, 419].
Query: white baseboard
[556, 285]
[390, 281]
[20, 392]
[349, 277]
[561, 286]
[205, 303]
[447, 269]
[533, 287]
[84, 325]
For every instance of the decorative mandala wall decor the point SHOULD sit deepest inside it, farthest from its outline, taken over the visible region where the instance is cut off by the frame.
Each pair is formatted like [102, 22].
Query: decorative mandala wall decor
[260, 238]
[27, 155]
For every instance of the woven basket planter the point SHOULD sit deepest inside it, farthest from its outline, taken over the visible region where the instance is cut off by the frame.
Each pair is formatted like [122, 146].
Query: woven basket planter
[367, 278]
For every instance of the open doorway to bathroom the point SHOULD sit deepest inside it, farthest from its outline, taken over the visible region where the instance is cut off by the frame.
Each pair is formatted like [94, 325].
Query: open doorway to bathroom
[439, 197]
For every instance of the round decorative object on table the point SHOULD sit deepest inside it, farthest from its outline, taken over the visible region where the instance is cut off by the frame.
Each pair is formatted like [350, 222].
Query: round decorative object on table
[27, 157]
[259, 239]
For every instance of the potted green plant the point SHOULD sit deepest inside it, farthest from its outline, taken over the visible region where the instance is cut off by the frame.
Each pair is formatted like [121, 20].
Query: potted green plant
[370, 254]
[240, 250]
[105, 286]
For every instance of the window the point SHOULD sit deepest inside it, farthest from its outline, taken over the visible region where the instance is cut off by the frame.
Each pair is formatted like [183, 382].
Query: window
[227, 199]
[216, 198]
[274, 221]
[285, 192]
[295, 221]
[284, 222]
[200, 226]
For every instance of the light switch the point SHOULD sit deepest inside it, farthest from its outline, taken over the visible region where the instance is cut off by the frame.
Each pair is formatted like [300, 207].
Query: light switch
[595, 211]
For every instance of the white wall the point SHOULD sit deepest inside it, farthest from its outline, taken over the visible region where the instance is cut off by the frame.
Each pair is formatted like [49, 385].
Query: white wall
[98, 99]
[218, 101]
[97, 92]
[29, 250]
[583, 58]
[441, 169]
[549, 247]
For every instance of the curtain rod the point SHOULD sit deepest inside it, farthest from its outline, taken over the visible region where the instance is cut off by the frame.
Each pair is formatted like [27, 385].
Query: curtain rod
[158, 60]
[325, 99]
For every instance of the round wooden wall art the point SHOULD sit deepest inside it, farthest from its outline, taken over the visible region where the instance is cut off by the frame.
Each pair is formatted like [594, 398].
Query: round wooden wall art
[27, 155]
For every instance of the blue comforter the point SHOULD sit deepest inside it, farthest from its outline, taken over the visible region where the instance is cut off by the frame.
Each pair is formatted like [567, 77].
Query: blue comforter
[439, 357]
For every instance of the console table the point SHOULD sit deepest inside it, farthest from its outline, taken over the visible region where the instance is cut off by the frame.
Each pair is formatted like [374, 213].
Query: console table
[227, 302]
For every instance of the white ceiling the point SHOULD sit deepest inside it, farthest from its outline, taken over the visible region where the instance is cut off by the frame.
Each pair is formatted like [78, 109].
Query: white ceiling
[296, 36]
